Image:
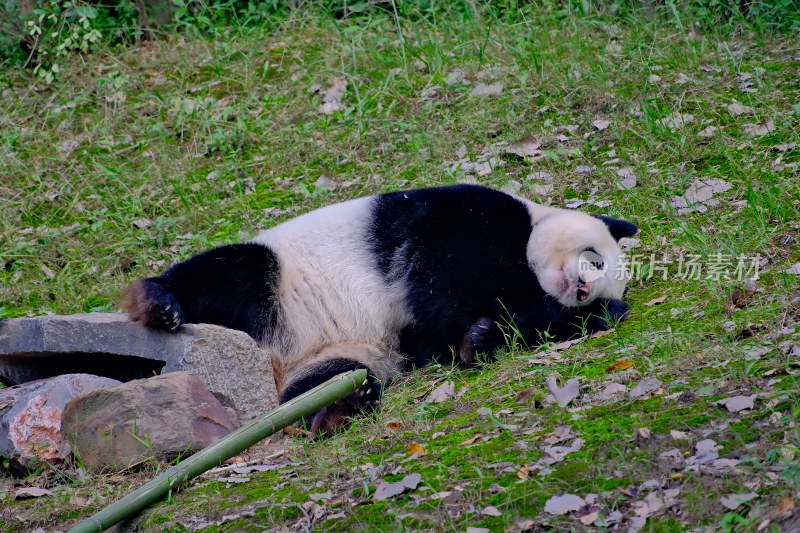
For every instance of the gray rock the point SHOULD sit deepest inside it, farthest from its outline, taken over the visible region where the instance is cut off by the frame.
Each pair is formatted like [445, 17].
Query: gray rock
[162, 417]
[30, 416]
[229, 362]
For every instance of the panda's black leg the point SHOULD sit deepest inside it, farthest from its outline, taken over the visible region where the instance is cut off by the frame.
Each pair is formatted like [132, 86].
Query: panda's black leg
[232, 286]
[322, 366]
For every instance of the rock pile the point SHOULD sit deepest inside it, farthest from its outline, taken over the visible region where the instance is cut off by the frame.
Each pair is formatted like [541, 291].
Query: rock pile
[116, 392]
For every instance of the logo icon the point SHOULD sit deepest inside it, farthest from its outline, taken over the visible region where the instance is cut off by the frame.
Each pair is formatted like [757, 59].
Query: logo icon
[591, 266]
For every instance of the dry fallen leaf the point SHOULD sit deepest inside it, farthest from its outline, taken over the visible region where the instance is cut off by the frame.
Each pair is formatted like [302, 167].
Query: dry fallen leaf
[645, 387]
[656, 301]
[708, 132]
[457, 76]
[614, 517]
[561, 433]
[612, 390]
[676, 120]
[723, 464]
[443, 392]
[786, 504]
[735, 404]
[411, 481]
[321, 496]
[601, 124]
[563, 395]
[627, 178]
[563, 504]
[794, 269]
[762, 128]
[332, 95]
[705, 452]
[483, 89]
[558, 453]
[733, 501]
[30, 492]
[566, 344]
[472, 440]
[736, 109]
[525, 524]
[589, 518]
[700, 191]
[787, 147]
[491, 510]
[67, 147]
[525, 395]
[385, 490]
[622, 364]
[656, 501]
[47, 271]
[141, 223]
[678, 435]
[416, 448]
[234, 479]
[527, 147]
[636, 523]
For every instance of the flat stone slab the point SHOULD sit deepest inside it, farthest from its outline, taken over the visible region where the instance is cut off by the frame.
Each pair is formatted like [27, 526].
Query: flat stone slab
[229, 362]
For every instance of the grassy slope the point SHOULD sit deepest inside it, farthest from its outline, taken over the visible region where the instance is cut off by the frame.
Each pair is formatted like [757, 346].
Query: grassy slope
[205, 139]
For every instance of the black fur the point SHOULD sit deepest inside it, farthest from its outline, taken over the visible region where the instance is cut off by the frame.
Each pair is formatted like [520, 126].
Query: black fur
[619, 228]
[233, 286]
[461, 253]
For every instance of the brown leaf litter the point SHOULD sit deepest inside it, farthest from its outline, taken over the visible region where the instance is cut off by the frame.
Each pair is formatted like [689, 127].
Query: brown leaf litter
[385, 490]
[699, 195]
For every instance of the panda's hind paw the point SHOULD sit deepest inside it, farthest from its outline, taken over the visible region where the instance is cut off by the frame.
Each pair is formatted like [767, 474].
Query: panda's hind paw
[152, 303]
[335, 416]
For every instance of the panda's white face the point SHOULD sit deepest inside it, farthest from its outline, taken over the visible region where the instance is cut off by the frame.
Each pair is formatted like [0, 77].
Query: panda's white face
[575, 258]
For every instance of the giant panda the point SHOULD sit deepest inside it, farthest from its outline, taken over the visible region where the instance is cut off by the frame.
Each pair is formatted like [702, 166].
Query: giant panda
[395, 281]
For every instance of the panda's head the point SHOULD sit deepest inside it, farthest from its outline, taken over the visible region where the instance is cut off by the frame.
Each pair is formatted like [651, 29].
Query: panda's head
[576, 258]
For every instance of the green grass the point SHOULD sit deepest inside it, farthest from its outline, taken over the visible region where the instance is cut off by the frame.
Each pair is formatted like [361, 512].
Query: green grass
[210, 140]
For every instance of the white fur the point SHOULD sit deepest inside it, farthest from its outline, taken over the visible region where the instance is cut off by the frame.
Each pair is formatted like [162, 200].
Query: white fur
[349, 304]
[558, 239]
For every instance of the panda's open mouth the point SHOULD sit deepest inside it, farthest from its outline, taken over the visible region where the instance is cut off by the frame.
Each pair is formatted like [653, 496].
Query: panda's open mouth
[583, 290]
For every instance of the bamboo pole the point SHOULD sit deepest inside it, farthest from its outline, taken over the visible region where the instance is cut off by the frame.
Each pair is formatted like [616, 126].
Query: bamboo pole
[235, 442]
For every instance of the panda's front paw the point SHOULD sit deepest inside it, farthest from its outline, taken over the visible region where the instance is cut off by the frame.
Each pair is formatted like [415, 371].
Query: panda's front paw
[607, 315]
[482, 337]
[154, 305]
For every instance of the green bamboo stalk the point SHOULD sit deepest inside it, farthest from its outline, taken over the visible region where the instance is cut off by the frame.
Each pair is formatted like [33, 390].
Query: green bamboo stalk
[235, 442]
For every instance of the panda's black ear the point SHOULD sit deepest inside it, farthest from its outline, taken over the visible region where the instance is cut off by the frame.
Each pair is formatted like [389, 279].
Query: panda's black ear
[619, 228]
